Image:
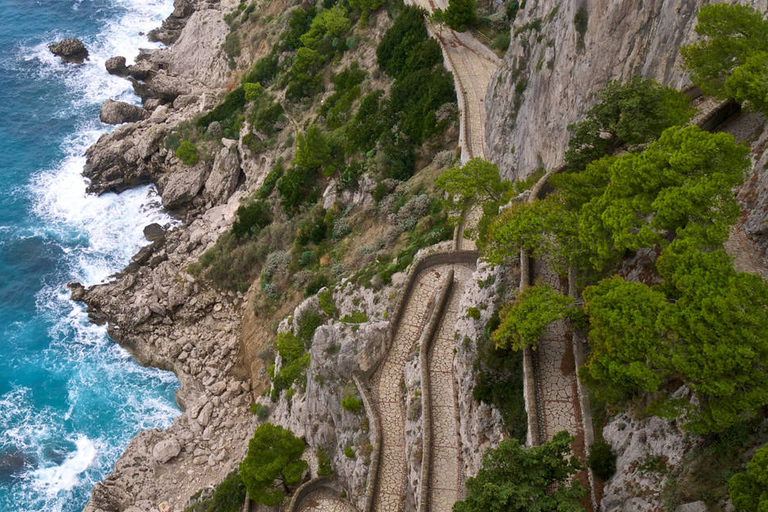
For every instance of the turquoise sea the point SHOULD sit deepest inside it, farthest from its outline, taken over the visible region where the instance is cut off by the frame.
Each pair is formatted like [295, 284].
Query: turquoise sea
[70, 399]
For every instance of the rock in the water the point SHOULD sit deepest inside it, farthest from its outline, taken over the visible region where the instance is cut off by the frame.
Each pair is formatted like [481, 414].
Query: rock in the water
[183, 185]
[154, 232]
[224, 176]
[165, 450]
[118, 112]
[70, 50]
[116, 66]
[77, 290]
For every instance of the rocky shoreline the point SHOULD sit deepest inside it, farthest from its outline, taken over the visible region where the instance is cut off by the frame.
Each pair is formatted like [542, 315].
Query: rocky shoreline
[154, 308]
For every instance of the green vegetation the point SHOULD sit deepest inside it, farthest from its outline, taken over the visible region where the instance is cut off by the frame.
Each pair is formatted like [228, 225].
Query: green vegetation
[627, 115]
[356, 317]
[602, 460]
[732, 60]
[515, 479]
[500, 380]
[325, 299]
[352, 404]
[324, 466]
[187, 153]
[294, 361]
[749, 490]
[228, 496]
[461, 15]
[261, 411]
[273, 463]
[251, 218]
[349, 451]
[524, 321]
[476, 182]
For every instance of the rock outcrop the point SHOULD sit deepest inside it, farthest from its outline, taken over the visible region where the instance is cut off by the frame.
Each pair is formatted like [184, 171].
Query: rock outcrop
[119, 112]
[70, 50]
[558, 60]
[116, 66]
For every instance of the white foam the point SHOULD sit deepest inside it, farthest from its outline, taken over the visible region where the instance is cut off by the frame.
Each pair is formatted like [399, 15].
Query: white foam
[52, 480]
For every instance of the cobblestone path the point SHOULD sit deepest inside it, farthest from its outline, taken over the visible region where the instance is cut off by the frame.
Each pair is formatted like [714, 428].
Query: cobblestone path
[555, 371]
[325, 501]
[387, 389]
[445, 476]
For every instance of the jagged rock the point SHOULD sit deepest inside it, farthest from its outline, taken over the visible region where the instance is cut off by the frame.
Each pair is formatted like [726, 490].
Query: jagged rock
[181, 186]
[141, 70]
[154, 232]
[218, 388]
[162, 86]
[77, 291]
[70, 50]
[118, 112]
[173, 24]
[205, 415]
[165, 450]
[116, 66]
[224, 176]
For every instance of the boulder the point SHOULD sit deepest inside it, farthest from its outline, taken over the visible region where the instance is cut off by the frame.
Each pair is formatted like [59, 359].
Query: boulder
[183, 185]
[118, 112]
[224, 177]
[165, 450]
[70, 50]
[154, 232]
[116, 66]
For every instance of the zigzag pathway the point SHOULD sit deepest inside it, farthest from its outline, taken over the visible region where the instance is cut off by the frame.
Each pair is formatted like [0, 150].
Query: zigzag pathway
[387, 389]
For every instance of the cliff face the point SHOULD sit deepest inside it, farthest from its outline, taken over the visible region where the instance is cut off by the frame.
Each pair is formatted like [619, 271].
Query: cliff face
[562, 53]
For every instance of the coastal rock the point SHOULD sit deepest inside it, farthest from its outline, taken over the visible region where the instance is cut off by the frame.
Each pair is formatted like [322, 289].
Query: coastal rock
[116, 66]
[165, 450]
[70, 50]
[154, 232]
[118, 112]
[162, 86]
[172, 26]
[224, 176]
[181, 186]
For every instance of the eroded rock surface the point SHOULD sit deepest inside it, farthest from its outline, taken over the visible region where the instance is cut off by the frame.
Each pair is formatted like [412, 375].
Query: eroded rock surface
[70, 50]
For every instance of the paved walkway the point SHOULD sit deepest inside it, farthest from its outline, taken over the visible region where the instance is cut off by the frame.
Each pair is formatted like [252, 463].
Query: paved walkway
[388, 394]
[325, 501]
[472, 64]
[445, 484]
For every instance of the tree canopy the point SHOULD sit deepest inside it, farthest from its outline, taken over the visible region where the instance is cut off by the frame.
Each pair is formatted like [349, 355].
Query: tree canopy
[749, 490]
[513, 479]
[524, 321]
[627, 114]
[460, 15]
[476, 182]
[732, 59]
[272, 464]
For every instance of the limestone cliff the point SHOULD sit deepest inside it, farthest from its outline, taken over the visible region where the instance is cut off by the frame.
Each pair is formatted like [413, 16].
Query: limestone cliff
[562, 53]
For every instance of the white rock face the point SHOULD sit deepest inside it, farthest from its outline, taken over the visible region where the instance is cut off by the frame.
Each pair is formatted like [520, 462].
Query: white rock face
[560, 75]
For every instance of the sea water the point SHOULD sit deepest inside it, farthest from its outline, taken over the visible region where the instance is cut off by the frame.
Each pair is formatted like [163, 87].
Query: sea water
[70, 398]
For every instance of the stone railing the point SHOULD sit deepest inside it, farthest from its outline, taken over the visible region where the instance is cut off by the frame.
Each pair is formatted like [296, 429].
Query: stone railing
[374, 422]
[307, 488]
[426, 390]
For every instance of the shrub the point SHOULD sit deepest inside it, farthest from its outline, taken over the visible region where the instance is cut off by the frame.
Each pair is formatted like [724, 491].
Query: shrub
[352, 404]
[325, 298]
[252, 91]
[315, 284]
[307, 324]
[461, 14]
[261, 411]
[251, 218]
[349, 451]
[226, 111]
[324, 467]
[602, 460]
[270, 181]
[473, 313]
[357, 317]
[187, 153]
[263, 71]
[501, 41]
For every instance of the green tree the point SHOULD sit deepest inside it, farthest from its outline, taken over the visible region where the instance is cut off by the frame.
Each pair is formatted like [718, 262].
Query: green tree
[328, 24]
[513, 479]
[365, 6]
[730, 61]
[749, 490]
[524, 321]
[476, 182]
[461, 15]
[313, 152]
[629, 354]
[680, 186]
[627, 114]
[273, 463]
